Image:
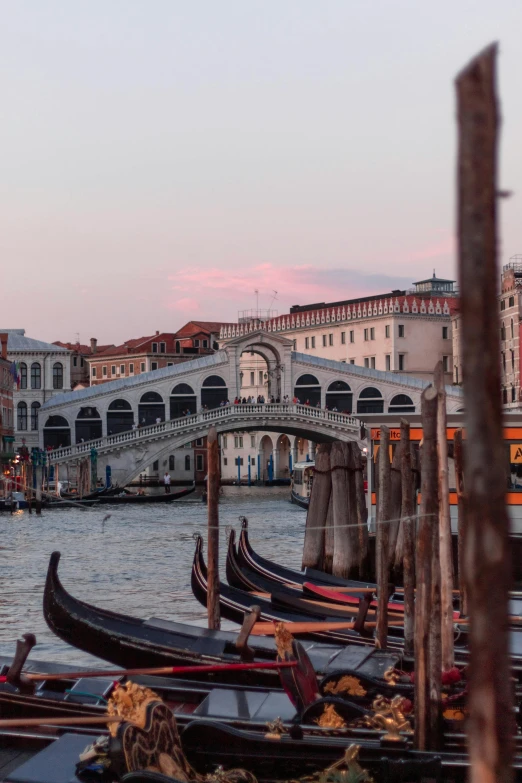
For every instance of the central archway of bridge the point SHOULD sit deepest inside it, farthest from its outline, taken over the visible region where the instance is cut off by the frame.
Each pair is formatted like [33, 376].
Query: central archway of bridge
[130, 452]
[260, 373]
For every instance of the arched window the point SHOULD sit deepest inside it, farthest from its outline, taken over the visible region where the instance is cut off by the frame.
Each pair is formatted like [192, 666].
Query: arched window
[36, 376]
[119, 417]
[512, 330]
[56, 432]
[23, 375]
[88, 424]
[35, 407]
[370, 401]
[182, 399]
[172, 462]
[307, 390]
[150, 409]
[502, 331]
[401, 403]
[21, 410]
[57, 375]
[339, 396]
[213, 392]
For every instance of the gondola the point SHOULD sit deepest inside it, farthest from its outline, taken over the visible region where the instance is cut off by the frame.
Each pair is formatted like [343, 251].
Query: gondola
[125, 499]
[130, 642]
[299, 500]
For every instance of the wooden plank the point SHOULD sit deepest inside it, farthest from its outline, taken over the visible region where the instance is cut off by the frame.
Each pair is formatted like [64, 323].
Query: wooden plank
[488, 568]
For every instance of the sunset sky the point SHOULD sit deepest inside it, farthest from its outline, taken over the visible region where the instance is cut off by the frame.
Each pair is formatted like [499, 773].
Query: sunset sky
[163, 159]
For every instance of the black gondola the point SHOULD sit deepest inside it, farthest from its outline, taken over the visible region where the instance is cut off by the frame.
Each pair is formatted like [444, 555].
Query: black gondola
[132, 642]
[143, 499]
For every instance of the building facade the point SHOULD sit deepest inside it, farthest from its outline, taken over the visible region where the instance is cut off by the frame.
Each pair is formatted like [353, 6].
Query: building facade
[80, 354]
[42, 370]
[6, 405]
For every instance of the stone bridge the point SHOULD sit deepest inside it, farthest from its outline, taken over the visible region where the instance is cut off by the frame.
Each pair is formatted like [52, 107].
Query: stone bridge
[177, 404]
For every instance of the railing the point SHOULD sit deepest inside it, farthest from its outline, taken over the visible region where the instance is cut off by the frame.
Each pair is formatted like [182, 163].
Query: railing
[194, 421]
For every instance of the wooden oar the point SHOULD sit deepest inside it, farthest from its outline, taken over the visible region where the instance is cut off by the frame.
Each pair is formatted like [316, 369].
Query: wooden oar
[116, 673]
[13, 723]
[268, 628]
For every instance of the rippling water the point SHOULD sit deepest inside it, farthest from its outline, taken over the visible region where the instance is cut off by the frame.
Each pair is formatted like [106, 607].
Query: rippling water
[137, 562]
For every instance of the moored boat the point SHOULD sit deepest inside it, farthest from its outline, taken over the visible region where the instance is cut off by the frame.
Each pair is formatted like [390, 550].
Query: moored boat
[302, 480]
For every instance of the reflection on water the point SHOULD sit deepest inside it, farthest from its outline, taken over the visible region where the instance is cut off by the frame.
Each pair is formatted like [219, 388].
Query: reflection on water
[136, 562]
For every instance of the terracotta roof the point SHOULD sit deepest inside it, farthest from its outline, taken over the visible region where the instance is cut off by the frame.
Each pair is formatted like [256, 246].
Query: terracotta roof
[80, 348]
[194, 327]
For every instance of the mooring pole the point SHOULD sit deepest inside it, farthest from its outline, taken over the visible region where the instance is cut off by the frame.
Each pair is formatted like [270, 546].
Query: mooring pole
[459, 485]
[408, 540]
[213, 614]
[491, 726]
[382, 538]
[313, 550]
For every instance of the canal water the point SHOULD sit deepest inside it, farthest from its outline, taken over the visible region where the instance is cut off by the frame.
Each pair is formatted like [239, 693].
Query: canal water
[136, 562]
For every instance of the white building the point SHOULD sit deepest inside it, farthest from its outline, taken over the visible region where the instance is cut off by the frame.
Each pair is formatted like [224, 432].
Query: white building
[43, 370]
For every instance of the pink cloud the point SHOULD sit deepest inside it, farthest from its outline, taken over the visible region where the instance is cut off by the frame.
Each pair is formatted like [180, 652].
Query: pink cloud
[186, 305]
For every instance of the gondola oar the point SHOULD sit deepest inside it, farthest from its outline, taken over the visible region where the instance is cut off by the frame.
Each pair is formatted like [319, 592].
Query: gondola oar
[162, 670]
[268, 628]
[13, 723]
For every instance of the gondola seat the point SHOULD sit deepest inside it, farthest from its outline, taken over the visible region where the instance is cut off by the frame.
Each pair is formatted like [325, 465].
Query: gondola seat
[55, 763]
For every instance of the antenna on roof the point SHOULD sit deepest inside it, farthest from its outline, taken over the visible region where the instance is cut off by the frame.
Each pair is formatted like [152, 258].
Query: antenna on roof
[273, 299]
[77, 338]
[257, 299]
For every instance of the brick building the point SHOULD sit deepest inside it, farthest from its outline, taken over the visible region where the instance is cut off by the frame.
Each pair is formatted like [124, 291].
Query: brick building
[79, 355]
[6, 405]
[146, 354]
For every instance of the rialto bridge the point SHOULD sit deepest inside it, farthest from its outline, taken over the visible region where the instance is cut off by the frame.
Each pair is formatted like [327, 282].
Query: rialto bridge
[133, 422]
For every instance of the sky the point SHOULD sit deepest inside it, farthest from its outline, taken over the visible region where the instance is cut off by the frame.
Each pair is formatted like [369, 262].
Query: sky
[162, 159]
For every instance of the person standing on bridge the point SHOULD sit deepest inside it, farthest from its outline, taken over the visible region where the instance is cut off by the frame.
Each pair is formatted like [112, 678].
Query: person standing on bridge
[166, 481]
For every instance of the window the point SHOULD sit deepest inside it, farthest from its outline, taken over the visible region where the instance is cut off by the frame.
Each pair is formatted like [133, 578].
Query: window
[401, 330]
[512, 330]
[502, 331]
[170, 364]
[75, 361]
[372, 333]
[225, 461]
[372, 362]
[252, 440]
[81, 361]
[504, 396]
[370, 401]
[178, 346]
[307, 342]
[238, 441]
[113, 370]
[401, 403]
[445, 363]
[253, 461]
[205, 343]
[387, 331]
[142, 366]
[444, 332]
[456, 374]
[260, 377]
[512, 359]
[511, 301]
[57, 375]
[238, 461]
[104, 371]
[122, 369]
[366, 362]
[352, 361]
[387, 359]
[295, 345]
[313, 342]
[154, 365]
[154, 347]
[172, 462]
[155, 465]
[503, 361]
[199, 462]
[196, 343]
[224, 441]
[324, 341]
[131, 368]
[35, 407]
[199, 442]
[343, 338]
[503, 304]
[162, 348]
[21, 422]
[23, 375]
[93, 372]
[512, 394]
[330, 339]
[187, 461]
[401, 361]
[366, 335]
[352, 336]
[252, 379]
[36, 376]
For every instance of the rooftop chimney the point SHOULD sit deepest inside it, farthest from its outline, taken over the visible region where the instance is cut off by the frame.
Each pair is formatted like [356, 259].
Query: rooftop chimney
[157, 332]
[94, 344]
[3, 340]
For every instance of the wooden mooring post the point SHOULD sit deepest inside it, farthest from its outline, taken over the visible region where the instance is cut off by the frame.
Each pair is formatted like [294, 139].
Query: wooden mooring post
[362, 513]
[345, 553]
[213, 482]
[382, 538]
[427, 599]
[461, 534]
[491, 725]
[314, 542]
[408, 538]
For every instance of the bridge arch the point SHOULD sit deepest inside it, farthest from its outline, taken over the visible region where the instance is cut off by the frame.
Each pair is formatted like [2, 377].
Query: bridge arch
[213, 391]
[88, 424]
[339, 395]
[370, 401]
[56, 432]
[183, 398]
[120, 416]
[151, 407]
[308, 390]
[282, 456]
[401, 403]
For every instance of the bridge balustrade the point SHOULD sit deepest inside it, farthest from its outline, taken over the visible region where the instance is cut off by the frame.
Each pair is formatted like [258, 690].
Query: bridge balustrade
[194, 420]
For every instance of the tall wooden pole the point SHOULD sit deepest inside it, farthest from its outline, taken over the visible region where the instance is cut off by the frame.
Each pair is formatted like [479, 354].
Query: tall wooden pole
[395, 503]
[382, 538]
[345, 556]
[488, 566]
[329, 539]
[445, 540]
[362, 513]
[313, 550]
[408, 533]
[459, 484]
[213, 615]
[427, 623]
